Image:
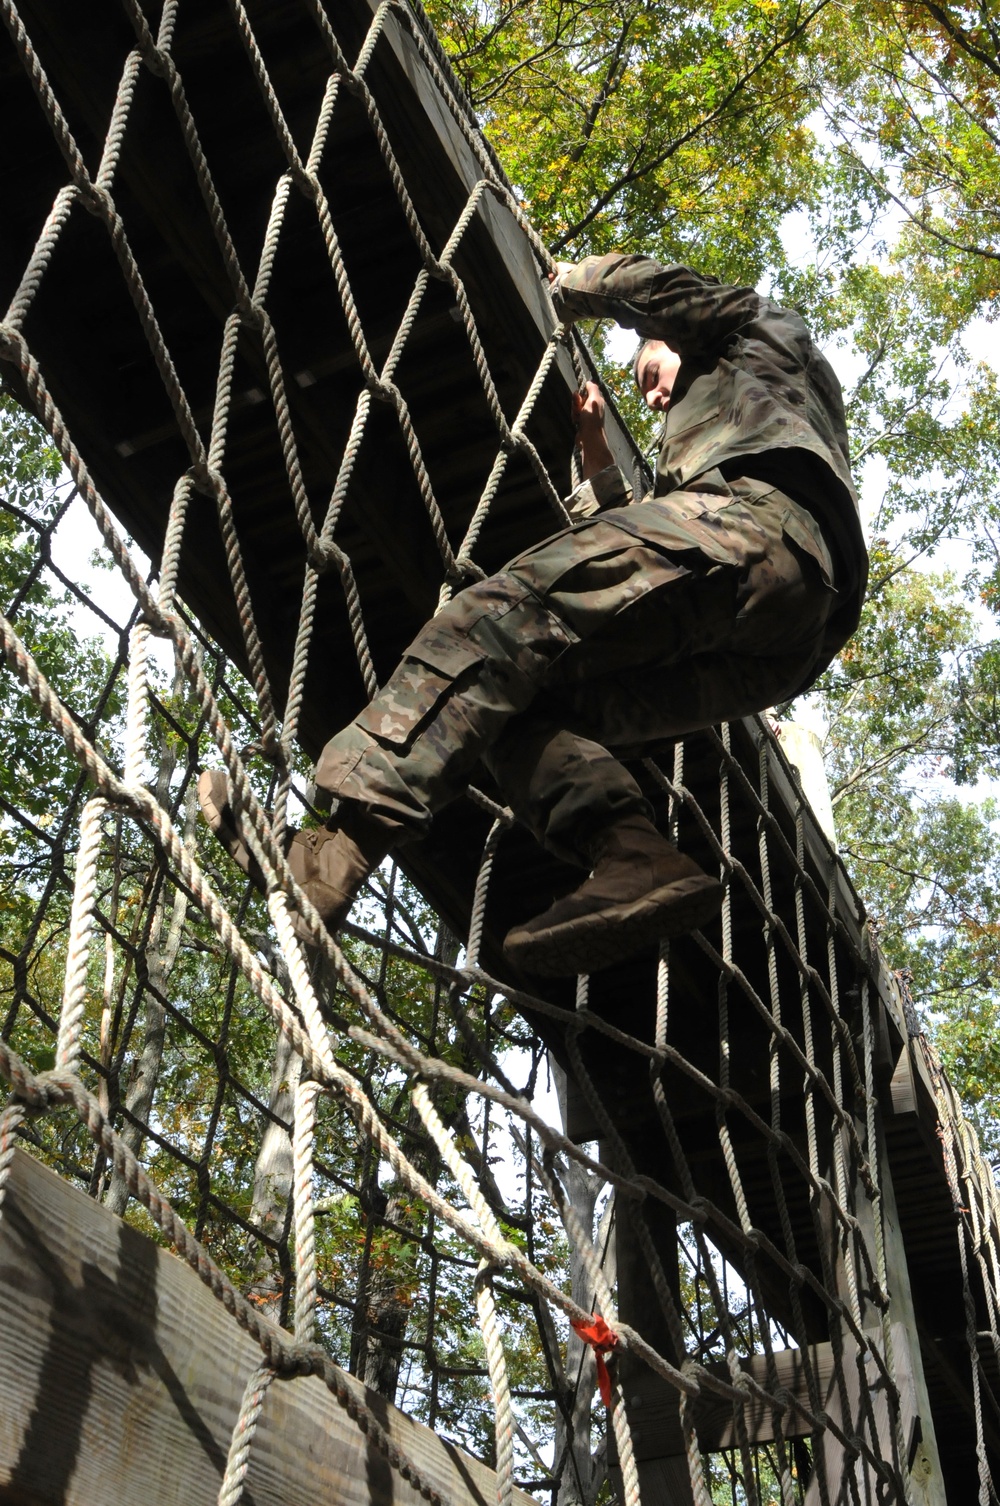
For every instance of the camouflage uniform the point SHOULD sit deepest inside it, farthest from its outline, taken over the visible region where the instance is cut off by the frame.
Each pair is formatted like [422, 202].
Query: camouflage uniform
[718, 595]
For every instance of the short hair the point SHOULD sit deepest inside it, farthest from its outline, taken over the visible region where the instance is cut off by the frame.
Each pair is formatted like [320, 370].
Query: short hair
[643, 346]
[638, 357]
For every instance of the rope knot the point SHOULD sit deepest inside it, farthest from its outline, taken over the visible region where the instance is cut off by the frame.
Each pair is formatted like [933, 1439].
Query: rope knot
[43, 1090]
[320, 557]
[306, 181]
[487, 1270]
[97, 200]
[602, 1340]
[11, 344]
[164, 624]
[206, 479]
[268, 747]
[464, 570]
[156, 61]
[295, 1359]
[438, 270]
[386, 392]
[252, 315]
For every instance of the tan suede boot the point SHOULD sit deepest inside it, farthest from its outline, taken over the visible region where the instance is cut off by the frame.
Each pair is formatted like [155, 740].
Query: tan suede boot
[329, 864]
[641, 889]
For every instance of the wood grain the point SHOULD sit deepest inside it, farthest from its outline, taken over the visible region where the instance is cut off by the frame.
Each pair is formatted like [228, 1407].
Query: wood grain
[121, 1377]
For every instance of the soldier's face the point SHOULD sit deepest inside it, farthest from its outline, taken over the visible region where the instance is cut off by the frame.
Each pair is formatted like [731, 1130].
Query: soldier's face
[657, 372]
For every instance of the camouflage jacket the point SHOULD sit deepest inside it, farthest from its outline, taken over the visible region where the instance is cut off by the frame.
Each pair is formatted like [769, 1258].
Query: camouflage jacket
[753, 396]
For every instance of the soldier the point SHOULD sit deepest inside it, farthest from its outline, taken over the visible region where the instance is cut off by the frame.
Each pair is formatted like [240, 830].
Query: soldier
[727, 589]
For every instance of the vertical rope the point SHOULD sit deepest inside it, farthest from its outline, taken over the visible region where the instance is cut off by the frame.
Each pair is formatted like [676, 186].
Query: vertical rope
[80, 926]
[244, 1432]
[303, 1144]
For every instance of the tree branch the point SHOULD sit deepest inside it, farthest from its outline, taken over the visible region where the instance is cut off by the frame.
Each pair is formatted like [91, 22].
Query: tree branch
[632, 175]
[960, 36]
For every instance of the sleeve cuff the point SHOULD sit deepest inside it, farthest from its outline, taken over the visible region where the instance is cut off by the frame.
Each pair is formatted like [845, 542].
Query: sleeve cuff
[607, 489]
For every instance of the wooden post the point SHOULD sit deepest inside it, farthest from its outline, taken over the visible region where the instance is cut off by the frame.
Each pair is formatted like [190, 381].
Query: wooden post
[923, 1459]
[121, 1377]
[664, 1478]
[847, 1403]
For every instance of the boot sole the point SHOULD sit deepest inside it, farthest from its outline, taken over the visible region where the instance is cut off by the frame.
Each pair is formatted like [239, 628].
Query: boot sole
[589, 943]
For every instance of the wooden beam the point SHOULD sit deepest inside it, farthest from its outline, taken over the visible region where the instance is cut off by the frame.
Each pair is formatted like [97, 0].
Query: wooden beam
[653, 1406]
[502, 228]
[121, 1377]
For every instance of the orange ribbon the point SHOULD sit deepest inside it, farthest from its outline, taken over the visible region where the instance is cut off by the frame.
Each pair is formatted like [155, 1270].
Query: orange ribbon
[602, 1341]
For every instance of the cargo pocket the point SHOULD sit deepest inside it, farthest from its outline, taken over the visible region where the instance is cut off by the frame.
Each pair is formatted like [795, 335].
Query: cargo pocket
[542, 567]
[805, 532]
[424, 679]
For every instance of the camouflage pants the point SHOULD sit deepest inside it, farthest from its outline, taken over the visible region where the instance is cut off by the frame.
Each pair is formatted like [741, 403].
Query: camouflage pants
[637, 625]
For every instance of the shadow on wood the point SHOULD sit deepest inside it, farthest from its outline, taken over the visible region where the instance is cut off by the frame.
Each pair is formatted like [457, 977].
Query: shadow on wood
[121, 1377]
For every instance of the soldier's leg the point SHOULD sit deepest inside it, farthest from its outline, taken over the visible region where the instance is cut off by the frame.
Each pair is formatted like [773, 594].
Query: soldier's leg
[484, 660]
[725, 616]
[556, 771]
[564, 786]
[583, 804]
[542, 624]
[479, 662]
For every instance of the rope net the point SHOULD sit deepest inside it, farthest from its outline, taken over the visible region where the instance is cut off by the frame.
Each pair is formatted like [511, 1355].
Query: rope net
[350, 1142]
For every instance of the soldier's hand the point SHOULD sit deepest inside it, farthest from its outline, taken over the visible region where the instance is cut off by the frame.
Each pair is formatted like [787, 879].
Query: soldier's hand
[588, 411]
[556, 292]
[588, 415]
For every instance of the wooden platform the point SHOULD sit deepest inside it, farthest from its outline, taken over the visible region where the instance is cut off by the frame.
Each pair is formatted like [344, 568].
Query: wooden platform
[87, 335]
[121, 1378]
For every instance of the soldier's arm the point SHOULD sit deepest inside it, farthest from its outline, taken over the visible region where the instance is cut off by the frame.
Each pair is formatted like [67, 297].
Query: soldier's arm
[603, 484]
[690, 312]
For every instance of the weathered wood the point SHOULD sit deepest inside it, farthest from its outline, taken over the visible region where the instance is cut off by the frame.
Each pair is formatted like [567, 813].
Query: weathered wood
[654, 1415]
[664, 1479]
[922, 1454]
[503, 231]
[121, 1377]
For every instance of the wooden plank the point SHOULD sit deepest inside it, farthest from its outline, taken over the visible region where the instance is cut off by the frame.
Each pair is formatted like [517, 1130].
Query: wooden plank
[653, 1406]
[121, 1378]
[903, 1088]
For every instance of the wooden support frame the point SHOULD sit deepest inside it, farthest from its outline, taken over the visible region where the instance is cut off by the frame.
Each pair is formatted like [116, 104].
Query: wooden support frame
[121, 1377]
[654, 1406]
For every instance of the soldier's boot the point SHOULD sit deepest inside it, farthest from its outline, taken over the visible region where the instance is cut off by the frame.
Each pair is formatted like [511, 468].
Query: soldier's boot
[640, 890]
[329, 863]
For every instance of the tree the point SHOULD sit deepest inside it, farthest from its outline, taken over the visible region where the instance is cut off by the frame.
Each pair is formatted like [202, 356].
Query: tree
[630, 124]
[926, 860]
